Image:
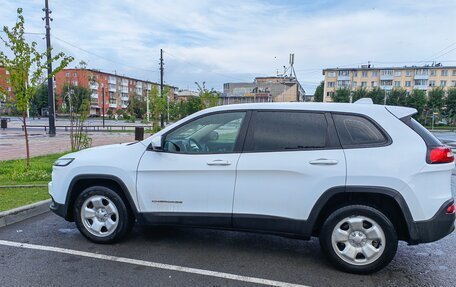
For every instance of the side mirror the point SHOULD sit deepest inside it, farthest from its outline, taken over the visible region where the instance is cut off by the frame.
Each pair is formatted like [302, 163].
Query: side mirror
[156, 143]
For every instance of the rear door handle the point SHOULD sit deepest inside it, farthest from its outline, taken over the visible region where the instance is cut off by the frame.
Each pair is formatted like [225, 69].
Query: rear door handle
[219, 162]
[323, 161]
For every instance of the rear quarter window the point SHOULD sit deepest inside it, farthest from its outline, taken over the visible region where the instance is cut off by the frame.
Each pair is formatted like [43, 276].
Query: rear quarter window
[357, 131]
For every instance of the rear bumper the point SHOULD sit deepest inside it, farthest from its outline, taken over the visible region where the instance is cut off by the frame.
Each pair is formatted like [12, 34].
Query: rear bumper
[439, 226]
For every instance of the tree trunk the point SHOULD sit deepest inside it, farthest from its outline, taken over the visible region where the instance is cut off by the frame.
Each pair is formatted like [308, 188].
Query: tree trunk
[24, 121]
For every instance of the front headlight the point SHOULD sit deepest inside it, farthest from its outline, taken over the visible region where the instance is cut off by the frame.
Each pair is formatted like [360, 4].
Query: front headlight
[63, 161]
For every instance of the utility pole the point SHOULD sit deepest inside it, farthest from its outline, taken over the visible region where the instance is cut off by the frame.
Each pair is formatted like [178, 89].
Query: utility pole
[162, 118]
[103, 103]
[50, 86]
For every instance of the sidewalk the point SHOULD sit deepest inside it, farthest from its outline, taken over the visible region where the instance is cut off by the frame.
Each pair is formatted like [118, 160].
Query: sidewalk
[12, 143]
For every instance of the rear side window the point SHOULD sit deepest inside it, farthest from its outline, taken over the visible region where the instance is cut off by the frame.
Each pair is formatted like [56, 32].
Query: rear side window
[357, 131]
[284, 131]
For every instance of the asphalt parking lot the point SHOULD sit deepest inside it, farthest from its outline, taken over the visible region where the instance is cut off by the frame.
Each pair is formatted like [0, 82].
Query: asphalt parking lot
[60, 256]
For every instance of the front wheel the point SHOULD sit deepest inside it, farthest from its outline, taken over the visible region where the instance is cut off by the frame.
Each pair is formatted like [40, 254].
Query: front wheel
[358, 239]
[101, 215]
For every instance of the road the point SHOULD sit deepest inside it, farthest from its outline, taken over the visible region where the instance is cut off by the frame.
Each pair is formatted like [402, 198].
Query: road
[225, 258]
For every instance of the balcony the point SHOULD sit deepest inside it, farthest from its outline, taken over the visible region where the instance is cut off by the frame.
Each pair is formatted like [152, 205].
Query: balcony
[386, 87]
[112, 80]
[112, 105]
[420, 87]
[386, 77]
[124, 98]
[112, 88]
[94, 95]
[421, 76]
[124, 89]
[343, 78]
[124, 106]
[93, 86]
[138, 84]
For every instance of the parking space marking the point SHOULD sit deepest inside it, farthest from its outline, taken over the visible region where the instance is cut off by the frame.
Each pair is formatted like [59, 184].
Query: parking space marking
[151, 264]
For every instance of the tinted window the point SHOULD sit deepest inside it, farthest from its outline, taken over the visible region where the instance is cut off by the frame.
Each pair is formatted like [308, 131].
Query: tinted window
[355, 130]
[426, 135]
[281, 131]
[216, 133]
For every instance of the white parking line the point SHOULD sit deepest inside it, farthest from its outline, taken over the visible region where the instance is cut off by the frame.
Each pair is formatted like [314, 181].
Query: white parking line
[151, 264]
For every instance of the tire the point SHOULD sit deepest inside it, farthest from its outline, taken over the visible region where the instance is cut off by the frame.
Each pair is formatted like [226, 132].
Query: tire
[358, 239]
[101, 215]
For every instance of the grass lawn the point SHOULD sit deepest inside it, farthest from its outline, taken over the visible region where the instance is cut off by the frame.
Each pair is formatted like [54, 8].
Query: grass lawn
[14, 172]
[14, 197]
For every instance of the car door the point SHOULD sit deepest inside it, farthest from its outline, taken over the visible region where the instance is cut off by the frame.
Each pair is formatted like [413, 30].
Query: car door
[290, 159]
[192, 180]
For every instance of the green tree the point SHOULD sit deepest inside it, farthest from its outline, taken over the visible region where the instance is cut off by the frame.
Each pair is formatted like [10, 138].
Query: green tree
[137, 107]
[451, 104]
[417, 100]
[318, 95]
[342, 95]
[157, 105]
[209, 98]
[359, 94]
[377, 95]
[397, 97]
[76, 101]
[436, 99]
[26, 67]
[193, 105]
[39, 100]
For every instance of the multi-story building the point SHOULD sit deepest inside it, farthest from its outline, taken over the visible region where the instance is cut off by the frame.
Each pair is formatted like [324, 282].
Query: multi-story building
[406, 77]
[6, 88]
[263, 89]
[117, 89]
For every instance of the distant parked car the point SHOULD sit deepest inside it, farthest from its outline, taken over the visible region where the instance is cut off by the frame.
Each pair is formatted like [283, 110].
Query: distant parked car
[358, 176]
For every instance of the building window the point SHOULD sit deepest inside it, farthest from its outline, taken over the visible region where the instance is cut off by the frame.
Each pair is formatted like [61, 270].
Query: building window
[421, 71]
[67, 74]
[386, 82]
[343, 83]
[363, 84]
[374, 84]
[75, 74]
[453, 83]
[397, 83]
[7, 72]
[364, 74]
[331, 84]
[454, 72]
[443, 83]
[397, 73]
[431, 83]
[408, 83]
[421, 82]
[354, 84]
[374, 73]
[387, 72]
[75, 83]
[444, 73]
[330, 94]
[408, 73]
[344, 73]
[433, 73]
[355, 73]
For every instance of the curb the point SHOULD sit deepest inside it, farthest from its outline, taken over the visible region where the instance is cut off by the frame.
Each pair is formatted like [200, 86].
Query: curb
[23, 186]
[24, 212]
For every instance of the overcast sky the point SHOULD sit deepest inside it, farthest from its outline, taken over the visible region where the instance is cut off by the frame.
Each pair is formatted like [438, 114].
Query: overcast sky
[236, 40]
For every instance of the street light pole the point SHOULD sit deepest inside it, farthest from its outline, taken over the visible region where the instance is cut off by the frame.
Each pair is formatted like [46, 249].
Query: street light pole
[50, 86]
[103, 104]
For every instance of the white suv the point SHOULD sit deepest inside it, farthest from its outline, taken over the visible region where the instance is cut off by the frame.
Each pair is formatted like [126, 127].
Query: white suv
[358, 176]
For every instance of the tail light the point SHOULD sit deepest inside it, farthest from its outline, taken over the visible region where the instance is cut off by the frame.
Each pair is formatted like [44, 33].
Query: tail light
[451, 209]
[441, 154]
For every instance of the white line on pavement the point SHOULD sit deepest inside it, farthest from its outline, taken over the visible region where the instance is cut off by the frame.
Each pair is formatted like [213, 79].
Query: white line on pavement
[151, 264]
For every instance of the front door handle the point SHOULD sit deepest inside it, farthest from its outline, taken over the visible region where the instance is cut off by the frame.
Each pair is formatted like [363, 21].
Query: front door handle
[323, 161]
[219, 162]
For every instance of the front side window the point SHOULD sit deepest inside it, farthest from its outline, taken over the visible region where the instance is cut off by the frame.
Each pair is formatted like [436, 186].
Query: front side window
[286, 131]
[216, 133]
[357, 131]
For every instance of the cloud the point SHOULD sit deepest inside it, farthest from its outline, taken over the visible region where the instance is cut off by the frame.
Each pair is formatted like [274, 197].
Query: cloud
[225, 41]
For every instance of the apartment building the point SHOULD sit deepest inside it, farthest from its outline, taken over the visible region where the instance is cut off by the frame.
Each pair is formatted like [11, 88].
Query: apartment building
[263, 89]
[117, 89]
[6, 88]
[406, 77]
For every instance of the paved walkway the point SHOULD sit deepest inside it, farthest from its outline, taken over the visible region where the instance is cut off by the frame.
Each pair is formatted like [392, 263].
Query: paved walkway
[12, 144]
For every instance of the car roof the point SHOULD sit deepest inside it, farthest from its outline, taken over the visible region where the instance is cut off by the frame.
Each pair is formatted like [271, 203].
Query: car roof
[312, 106]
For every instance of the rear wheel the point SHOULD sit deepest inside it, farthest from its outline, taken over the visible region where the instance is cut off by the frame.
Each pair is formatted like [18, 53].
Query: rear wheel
[101, 215]
[358, 239]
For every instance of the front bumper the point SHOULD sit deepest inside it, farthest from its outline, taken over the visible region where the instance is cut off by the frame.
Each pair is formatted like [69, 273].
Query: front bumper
[439, 226]
[58, 208]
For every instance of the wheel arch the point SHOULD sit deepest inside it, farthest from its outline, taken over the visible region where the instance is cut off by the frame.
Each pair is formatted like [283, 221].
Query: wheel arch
[81, 182]
[388, 201]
